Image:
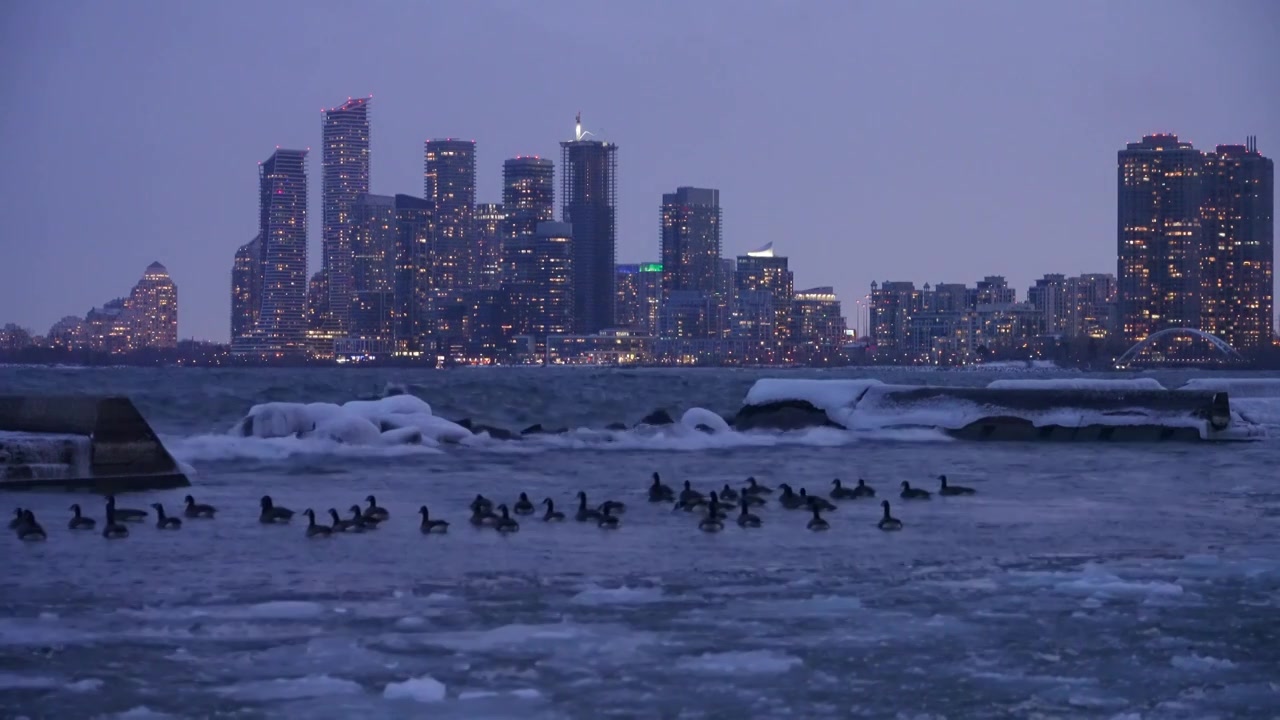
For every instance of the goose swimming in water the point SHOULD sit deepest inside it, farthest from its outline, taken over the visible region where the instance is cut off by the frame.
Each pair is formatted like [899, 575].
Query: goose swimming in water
[340, 525]
[888, 522]
[80, 522]
[480, 517]
[788, 499]
[358, 517]
[815, 502]
[715, 509]
[756, 489]
[863, 489]
[523, 506]
[714, 519]
[817, 523]
[659, 492]
[374, 510]
[607, 521]
[953, 489]
[552, 514]
[729, 494]
[505, 523]
[29, 529]
[910, 493]
[164, 522]
[125, 514]
[746, 519]
[840, 492]
[613, 506]
[196, 510]
[428, 525]
[482, 505]
[272, 513]
[314, 529]
[752, 500]
[113, 530]
[17, 519]
[690, 496]
[585, 513]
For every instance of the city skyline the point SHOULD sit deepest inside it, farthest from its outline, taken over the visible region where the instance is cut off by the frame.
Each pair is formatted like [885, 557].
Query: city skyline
[819, 132]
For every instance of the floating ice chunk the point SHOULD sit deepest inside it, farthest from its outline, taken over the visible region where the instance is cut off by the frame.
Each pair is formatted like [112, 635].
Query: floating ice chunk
[422, 689]
[15, 681]
[84, 686]
[742, 662]
[310, 686]
[694, 417]
[596, 595]
[1077, 384]
[1200, 663]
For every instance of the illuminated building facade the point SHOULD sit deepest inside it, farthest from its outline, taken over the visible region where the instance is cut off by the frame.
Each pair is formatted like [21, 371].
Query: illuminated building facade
[246, 289]
[490, 221]
[282, 183]
[538, 282]
[1050, 299]
[1091, 306]
[152, 308]
[639, 288]
[589, 194]
[1159, 235]
[691, 220]
[1238, 224]
[411, 278]
[345, 178]
[528, 194]
[450, 185]
[816, 319]
[371, 228]
[763, 271]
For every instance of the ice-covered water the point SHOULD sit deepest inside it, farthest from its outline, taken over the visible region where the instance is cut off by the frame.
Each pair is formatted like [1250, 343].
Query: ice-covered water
[1109, 581]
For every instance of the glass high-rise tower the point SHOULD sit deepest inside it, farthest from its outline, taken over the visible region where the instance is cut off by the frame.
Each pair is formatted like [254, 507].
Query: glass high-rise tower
[1238, 223]
[282, 193]
[691, 241]
[450, 185]
[528, 194]
[589, 191]
[1158, 236]
[345, 171]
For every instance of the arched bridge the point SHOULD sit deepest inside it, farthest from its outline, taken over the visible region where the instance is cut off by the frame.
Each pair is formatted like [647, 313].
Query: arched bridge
[1227, 352]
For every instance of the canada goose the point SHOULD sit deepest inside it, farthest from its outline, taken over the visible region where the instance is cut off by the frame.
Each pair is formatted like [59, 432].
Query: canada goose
[164, 522]
[888, 522]
[953, 489]
[659, 492]
[80, 522]
[910, 493]
[313, 529]
[196, 510]
[585, 513]
[272, 513]
[840, 492]
[431, 526]
[29, 529]
[746, 519]
[756, 489]
[552, 514]
[374, 511]
[125, 514]
[523, 506]
[817, 523]
[505, 523]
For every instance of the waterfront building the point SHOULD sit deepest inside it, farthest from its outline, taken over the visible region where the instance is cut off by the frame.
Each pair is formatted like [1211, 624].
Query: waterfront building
[639, 288]
[345, 178]
[589, 194]
[282, 201]
[538, 282]
[528, 194]
[490, 224]
[450, 185]
[691, 234]
[246, 289]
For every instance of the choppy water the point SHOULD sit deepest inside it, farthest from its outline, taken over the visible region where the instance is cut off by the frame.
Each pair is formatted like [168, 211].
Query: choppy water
[1109, 581]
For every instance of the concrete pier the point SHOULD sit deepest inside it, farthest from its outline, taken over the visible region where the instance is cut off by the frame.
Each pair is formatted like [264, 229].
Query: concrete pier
[99, 444]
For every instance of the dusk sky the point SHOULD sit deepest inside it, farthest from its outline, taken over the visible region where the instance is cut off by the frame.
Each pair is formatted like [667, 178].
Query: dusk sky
[934, 142]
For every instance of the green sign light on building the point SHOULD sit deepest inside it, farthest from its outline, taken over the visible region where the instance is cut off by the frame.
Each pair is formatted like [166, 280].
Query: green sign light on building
[651, 267]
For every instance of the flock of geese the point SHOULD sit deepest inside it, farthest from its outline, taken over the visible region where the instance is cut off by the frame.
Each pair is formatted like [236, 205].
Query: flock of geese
[712, 509]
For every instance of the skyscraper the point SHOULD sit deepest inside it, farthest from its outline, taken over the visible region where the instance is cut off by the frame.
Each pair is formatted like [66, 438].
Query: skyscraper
[1238, 224]
[450, 185]
[538, 281]
[372, 230]
[763, 272]
[246, 289]
[528, 194]
[639, 288]
[345, 170]
[490, 224]
[412, 281]
[282, 192]
[1050, 299]
[152, 308]
[589, 192]
[690, 241]
[1158, 235]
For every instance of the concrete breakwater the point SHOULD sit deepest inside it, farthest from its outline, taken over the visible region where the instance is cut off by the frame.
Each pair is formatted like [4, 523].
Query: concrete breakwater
[101, 444]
